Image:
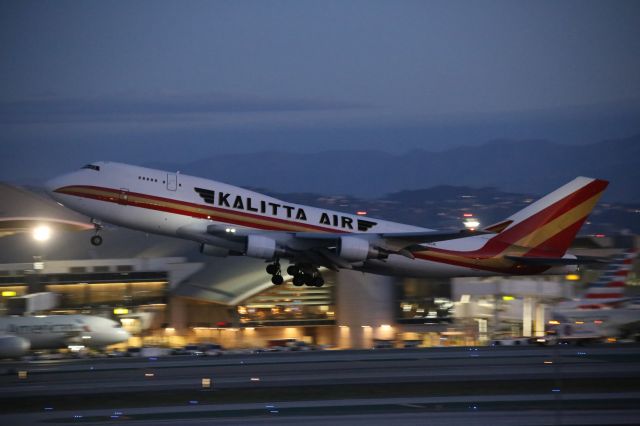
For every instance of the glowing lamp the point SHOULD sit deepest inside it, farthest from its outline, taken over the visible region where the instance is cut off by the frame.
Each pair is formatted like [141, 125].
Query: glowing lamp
[41, 233]
[471, 223]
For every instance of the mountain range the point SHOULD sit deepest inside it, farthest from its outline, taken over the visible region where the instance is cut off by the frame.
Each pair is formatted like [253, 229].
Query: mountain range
[533, 166]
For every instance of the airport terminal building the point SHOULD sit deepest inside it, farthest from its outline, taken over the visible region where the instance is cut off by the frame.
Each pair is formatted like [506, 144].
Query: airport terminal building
[166, 293]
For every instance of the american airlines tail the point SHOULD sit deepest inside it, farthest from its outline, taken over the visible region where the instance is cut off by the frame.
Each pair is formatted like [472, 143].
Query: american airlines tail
[609, 288]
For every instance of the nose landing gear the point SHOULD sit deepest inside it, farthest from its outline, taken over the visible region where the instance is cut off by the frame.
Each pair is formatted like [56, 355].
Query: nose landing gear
[96, 240]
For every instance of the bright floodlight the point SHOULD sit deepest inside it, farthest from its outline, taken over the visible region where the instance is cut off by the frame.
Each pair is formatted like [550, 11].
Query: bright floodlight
[471, 223]
[41, 233]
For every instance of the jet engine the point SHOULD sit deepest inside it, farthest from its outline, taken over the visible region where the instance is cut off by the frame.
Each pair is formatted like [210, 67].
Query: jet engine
[261, 247]
[209, 250]
[13, 346]
[356, 249]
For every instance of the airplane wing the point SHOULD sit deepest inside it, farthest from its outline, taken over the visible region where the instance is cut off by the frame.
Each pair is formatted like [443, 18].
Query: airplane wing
[395, 241]
[558, 261]
[318, 248]
[322, 251]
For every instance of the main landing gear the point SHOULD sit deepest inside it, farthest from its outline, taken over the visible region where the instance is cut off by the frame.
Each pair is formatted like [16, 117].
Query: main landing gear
[302, 275]
[305, 275]
[273, 269]
[96, 240]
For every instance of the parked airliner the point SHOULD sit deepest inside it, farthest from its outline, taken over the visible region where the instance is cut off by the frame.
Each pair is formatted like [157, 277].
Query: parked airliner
[19, 334]
[229, 220]
[604, 310]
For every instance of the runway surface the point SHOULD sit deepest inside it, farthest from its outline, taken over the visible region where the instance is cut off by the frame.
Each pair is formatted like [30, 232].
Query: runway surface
[492, 385]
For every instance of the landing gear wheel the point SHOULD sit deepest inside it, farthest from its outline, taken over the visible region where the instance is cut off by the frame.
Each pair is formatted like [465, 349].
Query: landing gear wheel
[298, 280]
[96, 240]
[272, 269]
[277, 279]
[317, 281]
[293, 270]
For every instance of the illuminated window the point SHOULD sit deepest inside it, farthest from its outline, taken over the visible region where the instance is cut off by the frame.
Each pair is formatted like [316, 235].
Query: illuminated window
[107, 293]
[71, 294]
[14, 290]
[147, 292]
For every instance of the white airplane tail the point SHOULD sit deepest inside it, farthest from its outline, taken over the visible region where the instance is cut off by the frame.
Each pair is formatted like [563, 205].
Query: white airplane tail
[611, 284]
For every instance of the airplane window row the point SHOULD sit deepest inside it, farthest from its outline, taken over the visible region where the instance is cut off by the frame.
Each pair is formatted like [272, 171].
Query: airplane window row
[148, 179]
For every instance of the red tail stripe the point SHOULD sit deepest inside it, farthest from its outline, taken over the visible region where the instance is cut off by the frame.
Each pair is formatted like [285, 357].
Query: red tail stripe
[558, 244]
[604, 296]
[552, 212]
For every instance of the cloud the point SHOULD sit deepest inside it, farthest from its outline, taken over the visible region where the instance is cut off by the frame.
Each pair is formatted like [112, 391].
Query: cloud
[154, 108]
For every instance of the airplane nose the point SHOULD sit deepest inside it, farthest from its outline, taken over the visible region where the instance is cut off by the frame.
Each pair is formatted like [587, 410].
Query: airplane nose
[56, 183]
[52, 184]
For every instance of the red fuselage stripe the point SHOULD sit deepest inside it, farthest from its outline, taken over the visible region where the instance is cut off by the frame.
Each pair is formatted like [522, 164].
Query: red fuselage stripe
[211, 211]
[492, 248]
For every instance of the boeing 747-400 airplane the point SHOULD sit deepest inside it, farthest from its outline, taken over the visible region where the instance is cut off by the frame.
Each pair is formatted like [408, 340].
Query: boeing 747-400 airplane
[229, 220]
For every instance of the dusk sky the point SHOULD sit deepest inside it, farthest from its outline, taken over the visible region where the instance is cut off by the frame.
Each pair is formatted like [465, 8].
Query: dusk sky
[177, 81]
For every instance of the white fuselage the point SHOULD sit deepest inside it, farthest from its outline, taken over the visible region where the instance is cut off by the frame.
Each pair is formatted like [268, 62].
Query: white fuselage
[60, 331]
[608, 320]
[180, 201]
[178, 205]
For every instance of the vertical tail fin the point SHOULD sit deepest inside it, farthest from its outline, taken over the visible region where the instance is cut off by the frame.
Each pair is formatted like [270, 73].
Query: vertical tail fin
[610, 286]
[547, 227]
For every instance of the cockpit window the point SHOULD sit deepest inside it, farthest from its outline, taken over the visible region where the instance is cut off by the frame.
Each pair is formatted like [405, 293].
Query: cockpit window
[117, 325]
[92, 167]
